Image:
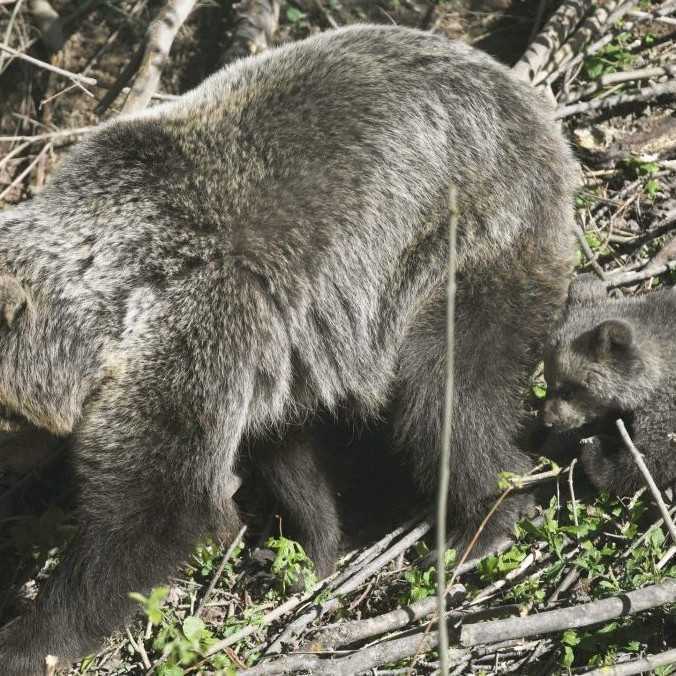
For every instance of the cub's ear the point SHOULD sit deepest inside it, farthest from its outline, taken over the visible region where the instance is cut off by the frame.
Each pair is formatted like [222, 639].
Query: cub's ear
[613, 337]
[13, 300]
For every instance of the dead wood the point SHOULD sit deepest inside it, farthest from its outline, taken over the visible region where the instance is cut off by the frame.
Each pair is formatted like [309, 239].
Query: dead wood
[570, 618]
[256, 22]
[159, 38]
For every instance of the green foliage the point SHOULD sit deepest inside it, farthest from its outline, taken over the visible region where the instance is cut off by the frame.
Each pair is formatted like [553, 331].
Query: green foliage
[609, 59]
[495, 566]
[181, 642]
[638, 168]
[152, 605]
[291, 565]
[423, 583]
[294, 15]
[540, 390]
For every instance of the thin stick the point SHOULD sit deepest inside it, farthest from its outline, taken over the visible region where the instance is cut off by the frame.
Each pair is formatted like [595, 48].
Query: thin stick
[219, 570]
[649, 663]
[640, 462]
[444, 458]
[8, 30]
[73, 77]
[646, 94]
[160, 37]
[589, 254]
[610, 79]
[572, 491]
[25, 172]
[48, 136]
[570, 618]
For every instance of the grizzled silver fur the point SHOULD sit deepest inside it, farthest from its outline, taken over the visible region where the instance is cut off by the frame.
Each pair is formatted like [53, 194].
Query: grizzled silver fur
[274, 243]
[613, 358]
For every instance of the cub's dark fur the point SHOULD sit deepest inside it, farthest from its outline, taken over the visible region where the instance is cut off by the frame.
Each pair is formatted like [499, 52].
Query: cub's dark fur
[272, 243]
[615, 358]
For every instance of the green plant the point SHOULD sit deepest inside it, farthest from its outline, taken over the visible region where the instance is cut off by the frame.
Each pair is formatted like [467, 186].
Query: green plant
[609, 59]
[291, 566]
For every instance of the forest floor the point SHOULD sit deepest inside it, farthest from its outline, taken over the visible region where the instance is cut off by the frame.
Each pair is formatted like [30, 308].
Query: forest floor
[232, 610]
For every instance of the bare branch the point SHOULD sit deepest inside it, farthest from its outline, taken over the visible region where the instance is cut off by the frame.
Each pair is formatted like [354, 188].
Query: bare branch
[557, 30]
[570, 618]
[649, 663]
[159, 38]
[350, 585]
[592, 28]
[346, 633]
[73, 77]
[645, 94]
[362, 660]
[629, 278]
[652, 486]
[610, 79]
[445, 452]
[219, 571]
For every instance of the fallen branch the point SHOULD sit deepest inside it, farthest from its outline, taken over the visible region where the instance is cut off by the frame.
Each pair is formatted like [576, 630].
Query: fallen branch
[347, 633]
[588, 253]
[592, 28]
[629, 278]
[557, 30]
[652, 486]
[645, 664]
[610, 79]
[256, 22]
[360, 661]
[584, 615]
[159, 38]
[350, 585]
[645, 94]
[293, 603]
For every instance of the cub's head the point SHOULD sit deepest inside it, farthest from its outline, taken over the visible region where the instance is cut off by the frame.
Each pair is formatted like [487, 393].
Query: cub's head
[594, 369]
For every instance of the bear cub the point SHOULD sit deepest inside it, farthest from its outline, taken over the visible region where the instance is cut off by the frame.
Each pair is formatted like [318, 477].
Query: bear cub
[610, 359]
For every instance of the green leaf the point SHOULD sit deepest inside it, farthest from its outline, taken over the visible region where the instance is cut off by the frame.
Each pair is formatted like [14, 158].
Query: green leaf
[570, 637]
[294, 15]
[193, 627]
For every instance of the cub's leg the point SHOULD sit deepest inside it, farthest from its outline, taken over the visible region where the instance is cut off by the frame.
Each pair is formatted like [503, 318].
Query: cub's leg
[296, 472]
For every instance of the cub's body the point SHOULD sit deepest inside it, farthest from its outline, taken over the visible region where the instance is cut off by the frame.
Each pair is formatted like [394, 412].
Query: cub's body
[610, 359]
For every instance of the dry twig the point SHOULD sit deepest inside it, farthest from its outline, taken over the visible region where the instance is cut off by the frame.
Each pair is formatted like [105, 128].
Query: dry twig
[219, 571]
[445, 454]
[159, 38]
[652, 486]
